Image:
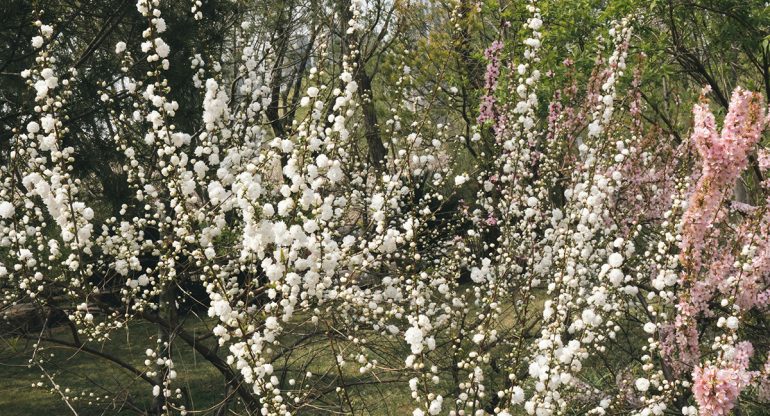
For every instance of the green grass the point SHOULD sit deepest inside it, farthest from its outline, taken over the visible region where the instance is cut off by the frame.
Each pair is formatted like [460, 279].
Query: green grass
[85, 374]
[91, 378]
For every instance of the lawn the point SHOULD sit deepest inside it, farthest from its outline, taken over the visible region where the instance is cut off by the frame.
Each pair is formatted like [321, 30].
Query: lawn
[98, 387]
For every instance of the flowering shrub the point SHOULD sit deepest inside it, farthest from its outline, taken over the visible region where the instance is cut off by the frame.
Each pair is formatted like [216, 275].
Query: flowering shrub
[600, 268]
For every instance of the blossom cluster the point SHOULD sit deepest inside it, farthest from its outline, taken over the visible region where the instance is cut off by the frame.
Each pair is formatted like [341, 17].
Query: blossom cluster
[588, 237]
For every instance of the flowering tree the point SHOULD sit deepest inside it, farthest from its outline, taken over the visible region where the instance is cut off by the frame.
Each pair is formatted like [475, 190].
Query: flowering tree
[583, 263]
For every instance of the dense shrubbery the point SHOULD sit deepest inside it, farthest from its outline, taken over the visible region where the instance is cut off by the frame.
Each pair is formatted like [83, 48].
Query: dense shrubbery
[588, 259]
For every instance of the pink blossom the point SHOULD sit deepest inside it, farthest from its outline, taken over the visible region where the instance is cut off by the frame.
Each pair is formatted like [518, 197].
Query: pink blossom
[724, 157]
[486, 109]
[763, 157]
[717, 389]
[491, 220]
[487, 104]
